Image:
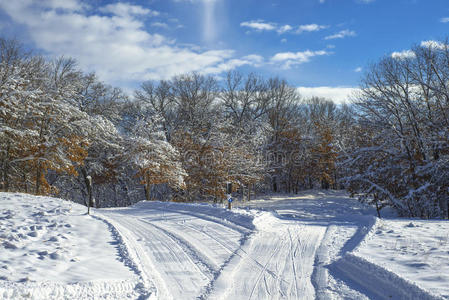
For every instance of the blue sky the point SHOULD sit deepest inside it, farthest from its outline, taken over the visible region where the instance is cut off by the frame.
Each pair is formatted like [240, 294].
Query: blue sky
[322, 46]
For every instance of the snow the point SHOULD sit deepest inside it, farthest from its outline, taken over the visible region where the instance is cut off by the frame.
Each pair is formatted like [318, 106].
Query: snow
[180, 247]
[277, 261]
[416, 250]
[276, 247]
[314, 245]
[50, 247]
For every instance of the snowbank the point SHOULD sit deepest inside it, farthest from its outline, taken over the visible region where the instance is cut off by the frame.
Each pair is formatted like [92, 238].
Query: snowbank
[416, 250]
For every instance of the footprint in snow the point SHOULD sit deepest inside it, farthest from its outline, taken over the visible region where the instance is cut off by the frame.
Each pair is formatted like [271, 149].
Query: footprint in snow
[9, 245]
[53, 239]
[33, 234]
[55, 255]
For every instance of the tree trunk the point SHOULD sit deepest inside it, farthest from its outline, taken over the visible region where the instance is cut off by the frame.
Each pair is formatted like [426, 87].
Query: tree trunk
[25, 182]
[38, 178]
[378, 209]
[6, 169]
[147, 187]
[5, 176]
[86, 183]
[249, 191]
[447, 208]
[115, 195]
[376, 200]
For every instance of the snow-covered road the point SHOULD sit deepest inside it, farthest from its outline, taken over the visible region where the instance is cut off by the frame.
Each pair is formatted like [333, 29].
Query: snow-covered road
[193, 251]
[277, 262]
[316, 245]
[182, 250]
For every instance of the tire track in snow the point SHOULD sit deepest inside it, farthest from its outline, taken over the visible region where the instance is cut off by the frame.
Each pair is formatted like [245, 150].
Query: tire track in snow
[292, 257]
[225, 238]
[145, 287]
[273, 249]
[203, 262]
[140, 260]
[173, 255]
[174, 265]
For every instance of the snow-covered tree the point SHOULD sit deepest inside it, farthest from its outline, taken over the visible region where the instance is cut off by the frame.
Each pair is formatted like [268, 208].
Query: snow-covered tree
[156, 160]
[404, 103]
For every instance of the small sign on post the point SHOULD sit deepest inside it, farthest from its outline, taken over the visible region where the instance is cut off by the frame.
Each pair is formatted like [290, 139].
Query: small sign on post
[229, 194]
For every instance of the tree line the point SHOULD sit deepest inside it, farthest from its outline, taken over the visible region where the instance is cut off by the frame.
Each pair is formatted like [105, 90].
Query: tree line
[183, 139]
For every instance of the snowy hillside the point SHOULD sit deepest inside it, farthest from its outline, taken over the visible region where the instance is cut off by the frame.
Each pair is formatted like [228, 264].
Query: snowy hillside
[50, 248]
[316, 245]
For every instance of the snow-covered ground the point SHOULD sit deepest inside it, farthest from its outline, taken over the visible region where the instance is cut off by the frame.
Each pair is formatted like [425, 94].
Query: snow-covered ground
[417, 250]
[315, 245]
[50, 248]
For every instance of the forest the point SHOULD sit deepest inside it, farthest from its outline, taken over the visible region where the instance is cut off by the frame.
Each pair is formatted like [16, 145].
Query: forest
[184, 138]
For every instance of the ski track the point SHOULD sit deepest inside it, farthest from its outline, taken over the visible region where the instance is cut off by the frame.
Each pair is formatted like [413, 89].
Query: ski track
[280, 250]
[276, 263]
[205, 252]
[207, 258]
[185, 252]
[191, 254]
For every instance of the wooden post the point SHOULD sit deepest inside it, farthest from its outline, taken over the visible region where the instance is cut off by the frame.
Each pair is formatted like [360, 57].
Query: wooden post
[89, 192]
[229, 193]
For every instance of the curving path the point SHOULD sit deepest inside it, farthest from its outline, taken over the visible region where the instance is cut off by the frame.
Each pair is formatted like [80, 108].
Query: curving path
[179, 253]
[277, 263]
[192, 254]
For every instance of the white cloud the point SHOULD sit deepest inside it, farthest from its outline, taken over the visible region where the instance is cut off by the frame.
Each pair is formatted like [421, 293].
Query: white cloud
[256, 60]
[444, 20]
[250, 60]
[411, 54]
[288, 59]
[284, 29]
[433, 44]
[125, 10]
[160, 25]
[71, 5]
[358, 69]
[403, 54]
[310, 28]
[340, 35]
[116, 46]
[337, 94]
[284, 41]
[259, 25]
